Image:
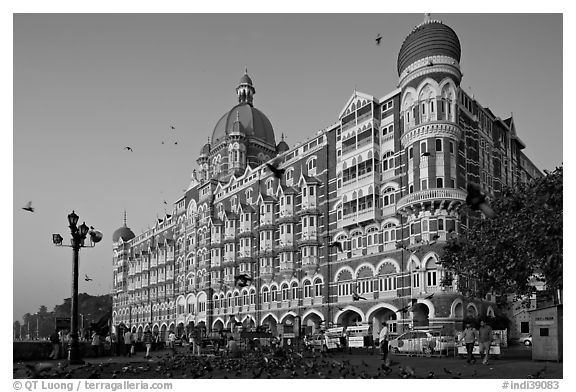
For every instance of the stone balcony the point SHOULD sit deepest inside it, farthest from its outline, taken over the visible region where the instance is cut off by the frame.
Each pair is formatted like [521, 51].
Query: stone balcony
[447, 198]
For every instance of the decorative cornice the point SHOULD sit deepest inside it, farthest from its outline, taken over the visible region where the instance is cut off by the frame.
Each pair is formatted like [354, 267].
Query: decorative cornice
[428, 65]
[431, 129]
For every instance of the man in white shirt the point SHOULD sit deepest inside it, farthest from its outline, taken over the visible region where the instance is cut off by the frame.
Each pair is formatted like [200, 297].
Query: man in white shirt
[384, 334]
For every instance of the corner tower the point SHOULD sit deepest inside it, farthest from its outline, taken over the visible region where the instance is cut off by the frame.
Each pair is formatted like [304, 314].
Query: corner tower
[429, 78]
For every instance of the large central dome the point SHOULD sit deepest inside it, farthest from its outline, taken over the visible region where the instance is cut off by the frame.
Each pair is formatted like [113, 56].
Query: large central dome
[431, 38]
[253, 124]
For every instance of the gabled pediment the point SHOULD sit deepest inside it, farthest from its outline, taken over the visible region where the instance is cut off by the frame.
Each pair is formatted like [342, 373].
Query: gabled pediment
[357, 100]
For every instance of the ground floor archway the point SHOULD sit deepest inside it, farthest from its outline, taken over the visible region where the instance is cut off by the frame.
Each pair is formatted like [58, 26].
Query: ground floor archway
[420, 315]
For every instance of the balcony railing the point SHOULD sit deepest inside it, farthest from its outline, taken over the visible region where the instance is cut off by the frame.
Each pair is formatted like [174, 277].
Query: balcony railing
[429, 195]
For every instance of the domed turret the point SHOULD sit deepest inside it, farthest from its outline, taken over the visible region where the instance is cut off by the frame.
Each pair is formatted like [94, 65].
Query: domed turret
[124, 232]
[282, 146]
[430, 38]
[250, 121]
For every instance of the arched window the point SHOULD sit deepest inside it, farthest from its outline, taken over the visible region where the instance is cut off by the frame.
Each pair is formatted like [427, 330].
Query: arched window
[388, 197]
[274, 293]
[318, 287]
[307, 289]
[372, 236]
[294, 290]
[387, 277]
[265, 295]
[356, 242]
[388, 161]
[285, 292]
[311, 164]
[389, 231]
[439, 182]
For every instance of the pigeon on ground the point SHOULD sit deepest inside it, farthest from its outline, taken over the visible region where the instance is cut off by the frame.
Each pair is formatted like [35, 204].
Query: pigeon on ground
[40, 370]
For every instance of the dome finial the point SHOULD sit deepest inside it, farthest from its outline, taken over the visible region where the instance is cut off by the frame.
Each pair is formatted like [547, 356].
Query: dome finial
[282, 136]
[125, 218]
[245, 70]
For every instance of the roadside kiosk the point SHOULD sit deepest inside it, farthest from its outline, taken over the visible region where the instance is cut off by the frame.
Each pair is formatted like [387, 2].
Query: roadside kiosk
[333, 336]
[359, 336]
[546, 333]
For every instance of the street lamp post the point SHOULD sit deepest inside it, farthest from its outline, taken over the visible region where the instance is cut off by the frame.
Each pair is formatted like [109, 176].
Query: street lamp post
[77, 241]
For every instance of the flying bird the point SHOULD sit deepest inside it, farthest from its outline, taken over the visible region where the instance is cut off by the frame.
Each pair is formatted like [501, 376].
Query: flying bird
[477, 200]
[426, 154]
[165, 202]
[277, 172]
[447, 371]
[341, 309]
[356, 297]
[378, 39]
[404, 309]
[86, 278]
[175, 143]
[435, 237]
[172, 127]
[242, 280]
[28, 207]
[338, 245]
[429, 296]
[128, 148]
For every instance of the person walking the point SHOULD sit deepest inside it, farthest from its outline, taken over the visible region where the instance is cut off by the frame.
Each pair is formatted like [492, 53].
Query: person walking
[128, 343]
[196, 341]
[147, 340]
[484, 340]
[172, 340]
[55, 340]
[469, 336]
[95, 344]
[383, 340]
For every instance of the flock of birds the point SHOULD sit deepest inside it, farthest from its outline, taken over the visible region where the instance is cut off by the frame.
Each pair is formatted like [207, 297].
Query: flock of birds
[253, 364]
[172, 128]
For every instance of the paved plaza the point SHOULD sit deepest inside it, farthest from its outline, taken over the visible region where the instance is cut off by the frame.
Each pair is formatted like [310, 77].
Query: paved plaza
[515, 362]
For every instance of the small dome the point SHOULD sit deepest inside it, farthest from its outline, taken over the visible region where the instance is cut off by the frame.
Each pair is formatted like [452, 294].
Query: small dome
[245, 79]
[282, 147]
[253, 123]
[124, 232]
[431, 38]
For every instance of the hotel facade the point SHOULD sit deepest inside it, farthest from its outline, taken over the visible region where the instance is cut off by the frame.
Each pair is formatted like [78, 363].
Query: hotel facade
[386, 180]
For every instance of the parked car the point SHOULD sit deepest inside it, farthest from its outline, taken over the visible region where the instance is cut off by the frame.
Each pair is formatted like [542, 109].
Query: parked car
[422, 342]
[526, 340]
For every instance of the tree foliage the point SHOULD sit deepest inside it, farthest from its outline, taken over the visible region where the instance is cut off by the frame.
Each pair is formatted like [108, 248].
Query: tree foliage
[521, 244]
[42, 323]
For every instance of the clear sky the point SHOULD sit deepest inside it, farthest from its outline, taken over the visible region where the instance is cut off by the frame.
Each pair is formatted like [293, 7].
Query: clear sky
[87, 85]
